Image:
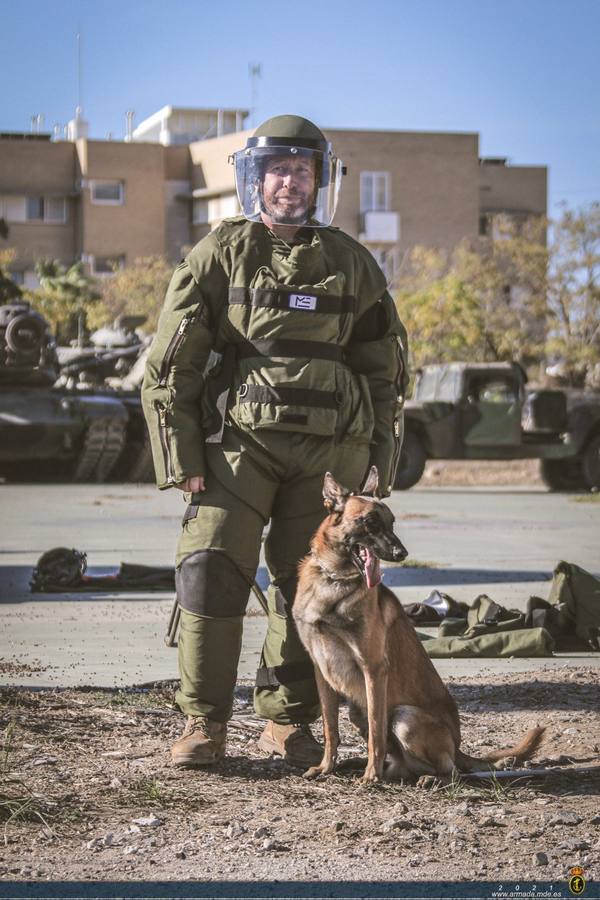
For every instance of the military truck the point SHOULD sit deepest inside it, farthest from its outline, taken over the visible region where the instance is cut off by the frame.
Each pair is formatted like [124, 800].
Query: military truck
[486, 411]
[49, 432]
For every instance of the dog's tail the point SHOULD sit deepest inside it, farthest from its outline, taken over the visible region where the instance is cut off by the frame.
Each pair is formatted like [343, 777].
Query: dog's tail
[522, 751]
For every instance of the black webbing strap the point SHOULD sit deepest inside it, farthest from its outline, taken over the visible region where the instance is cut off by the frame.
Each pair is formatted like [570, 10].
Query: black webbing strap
[274, 676]
[323, 303]
[258, 393]
[291, 349]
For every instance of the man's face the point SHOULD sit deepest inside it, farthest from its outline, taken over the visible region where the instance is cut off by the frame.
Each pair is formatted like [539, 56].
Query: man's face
[288, 187]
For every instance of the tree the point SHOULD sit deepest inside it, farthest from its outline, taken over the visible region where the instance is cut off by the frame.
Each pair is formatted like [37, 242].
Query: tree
[574, 293]
[485, 301]
[138, 289]
[66, 297]
[9, 291]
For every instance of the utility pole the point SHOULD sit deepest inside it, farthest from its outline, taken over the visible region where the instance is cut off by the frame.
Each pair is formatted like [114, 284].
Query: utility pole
[254, 72]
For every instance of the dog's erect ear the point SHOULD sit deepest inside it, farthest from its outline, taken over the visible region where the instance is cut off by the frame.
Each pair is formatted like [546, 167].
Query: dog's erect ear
[372, 483]
[334, 495]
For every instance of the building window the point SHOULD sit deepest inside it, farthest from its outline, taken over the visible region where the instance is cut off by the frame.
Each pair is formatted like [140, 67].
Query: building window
[200, 212]
[35, 209]
[222, 206]
[110, 193]
[55, 209]
[374, 191]
[104, 266]
[46, 209]
[206, 211]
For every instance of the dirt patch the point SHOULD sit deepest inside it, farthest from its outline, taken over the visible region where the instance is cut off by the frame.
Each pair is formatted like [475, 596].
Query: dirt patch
[15, 667]
[87, 792]
[446, 473]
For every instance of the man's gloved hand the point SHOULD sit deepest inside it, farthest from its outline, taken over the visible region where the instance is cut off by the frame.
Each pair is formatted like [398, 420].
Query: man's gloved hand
[192, 485]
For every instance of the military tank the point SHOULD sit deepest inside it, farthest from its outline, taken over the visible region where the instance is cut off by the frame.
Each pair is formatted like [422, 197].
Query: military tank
[113, 365]
[48, 431]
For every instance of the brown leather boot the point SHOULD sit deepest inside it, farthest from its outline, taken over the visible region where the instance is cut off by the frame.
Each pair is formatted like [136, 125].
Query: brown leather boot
[294, 742]
[202, 743]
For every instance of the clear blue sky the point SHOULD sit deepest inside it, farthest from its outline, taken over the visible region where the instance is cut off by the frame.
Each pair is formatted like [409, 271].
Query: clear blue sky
[525, 74]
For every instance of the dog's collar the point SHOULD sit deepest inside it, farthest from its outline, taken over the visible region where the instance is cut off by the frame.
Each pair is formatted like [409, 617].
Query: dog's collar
[331, 575]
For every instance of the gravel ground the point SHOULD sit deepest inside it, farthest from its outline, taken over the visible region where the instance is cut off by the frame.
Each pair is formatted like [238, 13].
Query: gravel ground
[87, 793]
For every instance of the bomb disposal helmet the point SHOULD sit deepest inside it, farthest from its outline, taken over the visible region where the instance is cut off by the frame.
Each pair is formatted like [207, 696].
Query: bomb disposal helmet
[288, 172]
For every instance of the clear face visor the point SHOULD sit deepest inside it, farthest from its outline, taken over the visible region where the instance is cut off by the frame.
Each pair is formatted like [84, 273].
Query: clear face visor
[289, 185]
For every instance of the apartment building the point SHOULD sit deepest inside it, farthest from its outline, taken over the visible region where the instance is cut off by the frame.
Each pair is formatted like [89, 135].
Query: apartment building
[163, 188]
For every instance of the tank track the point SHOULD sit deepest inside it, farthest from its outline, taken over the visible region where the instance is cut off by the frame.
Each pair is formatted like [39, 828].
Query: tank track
[142, 468]
[102, 445]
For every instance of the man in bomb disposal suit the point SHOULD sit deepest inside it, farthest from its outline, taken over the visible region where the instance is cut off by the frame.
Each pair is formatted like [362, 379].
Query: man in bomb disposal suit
[309, 378]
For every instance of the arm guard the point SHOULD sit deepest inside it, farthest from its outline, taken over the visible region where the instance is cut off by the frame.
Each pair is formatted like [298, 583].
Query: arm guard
[379, 350]
[174, 375]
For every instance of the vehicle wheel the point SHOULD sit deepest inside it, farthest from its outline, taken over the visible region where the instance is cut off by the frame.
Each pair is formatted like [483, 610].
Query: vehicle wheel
[412, 462]
[590, 464]
[562, 474]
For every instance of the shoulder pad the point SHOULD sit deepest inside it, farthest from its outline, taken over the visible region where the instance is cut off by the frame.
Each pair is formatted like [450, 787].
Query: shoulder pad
[232, 230]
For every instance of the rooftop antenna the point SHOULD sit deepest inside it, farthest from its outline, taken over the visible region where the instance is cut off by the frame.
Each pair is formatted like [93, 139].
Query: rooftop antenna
[77, 127]
[79, 110]
[129, 115]
[254, 72]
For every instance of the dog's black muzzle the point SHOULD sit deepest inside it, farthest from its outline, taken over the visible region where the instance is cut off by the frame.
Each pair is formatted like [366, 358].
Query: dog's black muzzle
[391, 550]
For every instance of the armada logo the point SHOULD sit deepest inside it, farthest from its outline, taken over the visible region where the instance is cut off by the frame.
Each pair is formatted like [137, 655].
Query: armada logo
[302, 301]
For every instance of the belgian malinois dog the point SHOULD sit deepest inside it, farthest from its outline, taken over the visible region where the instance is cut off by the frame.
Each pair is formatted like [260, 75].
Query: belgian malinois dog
[365, 649]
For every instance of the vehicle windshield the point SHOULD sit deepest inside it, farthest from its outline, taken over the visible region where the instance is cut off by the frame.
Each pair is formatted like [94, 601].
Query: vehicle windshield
[438, 383]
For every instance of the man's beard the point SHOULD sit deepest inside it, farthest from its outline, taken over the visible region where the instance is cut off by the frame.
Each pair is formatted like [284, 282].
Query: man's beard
[287, 215]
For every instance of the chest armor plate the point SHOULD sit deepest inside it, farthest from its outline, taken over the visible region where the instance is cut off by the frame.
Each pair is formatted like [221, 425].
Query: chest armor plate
[289, 317]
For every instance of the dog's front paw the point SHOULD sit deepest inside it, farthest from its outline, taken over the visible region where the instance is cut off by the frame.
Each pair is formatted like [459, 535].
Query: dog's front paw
[317, 772]
[371, 776]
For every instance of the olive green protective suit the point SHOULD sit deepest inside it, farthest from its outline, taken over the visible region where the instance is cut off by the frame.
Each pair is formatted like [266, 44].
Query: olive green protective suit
[309, 376]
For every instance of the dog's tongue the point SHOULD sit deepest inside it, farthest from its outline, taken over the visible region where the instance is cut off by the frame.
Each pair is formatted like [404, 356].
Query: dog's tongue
[372, 568]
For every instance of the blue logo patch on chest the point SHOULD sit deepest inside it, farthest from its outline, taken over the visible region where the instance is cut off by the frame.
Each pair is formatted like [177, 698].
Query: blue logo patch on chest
[302, 301]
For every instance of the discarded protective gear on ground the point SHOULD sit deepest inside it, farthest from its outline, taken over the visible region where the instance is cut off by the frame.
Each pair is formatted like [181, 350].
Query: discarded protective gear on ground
[436, 607]
[571, 615]
[63, 570]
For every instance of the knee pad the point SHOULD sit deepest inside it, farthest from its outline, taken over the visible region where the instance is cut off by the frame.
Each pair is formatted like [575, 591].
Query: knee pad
[209, 583]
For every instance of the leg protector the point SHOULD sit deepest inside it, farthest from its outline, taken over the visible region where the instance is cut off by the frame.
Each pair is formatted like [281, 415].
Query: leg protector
[209, 583]
[286, 691]
[209, 651]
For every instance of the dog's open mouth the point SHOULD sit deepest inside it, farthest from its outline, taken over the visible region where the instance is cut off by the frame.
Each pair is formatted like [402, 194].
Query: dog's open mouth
[367, 563]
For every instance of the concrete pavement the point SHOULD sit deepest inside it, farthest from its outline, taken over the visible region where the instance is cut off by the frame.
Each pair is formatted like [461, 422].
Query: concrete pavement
[501, 541]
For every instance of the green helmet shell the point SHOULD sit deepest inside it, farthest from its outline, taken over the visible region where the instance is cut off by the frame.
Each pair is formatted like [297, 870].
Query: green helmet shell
[293, 128]
[288, 138]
